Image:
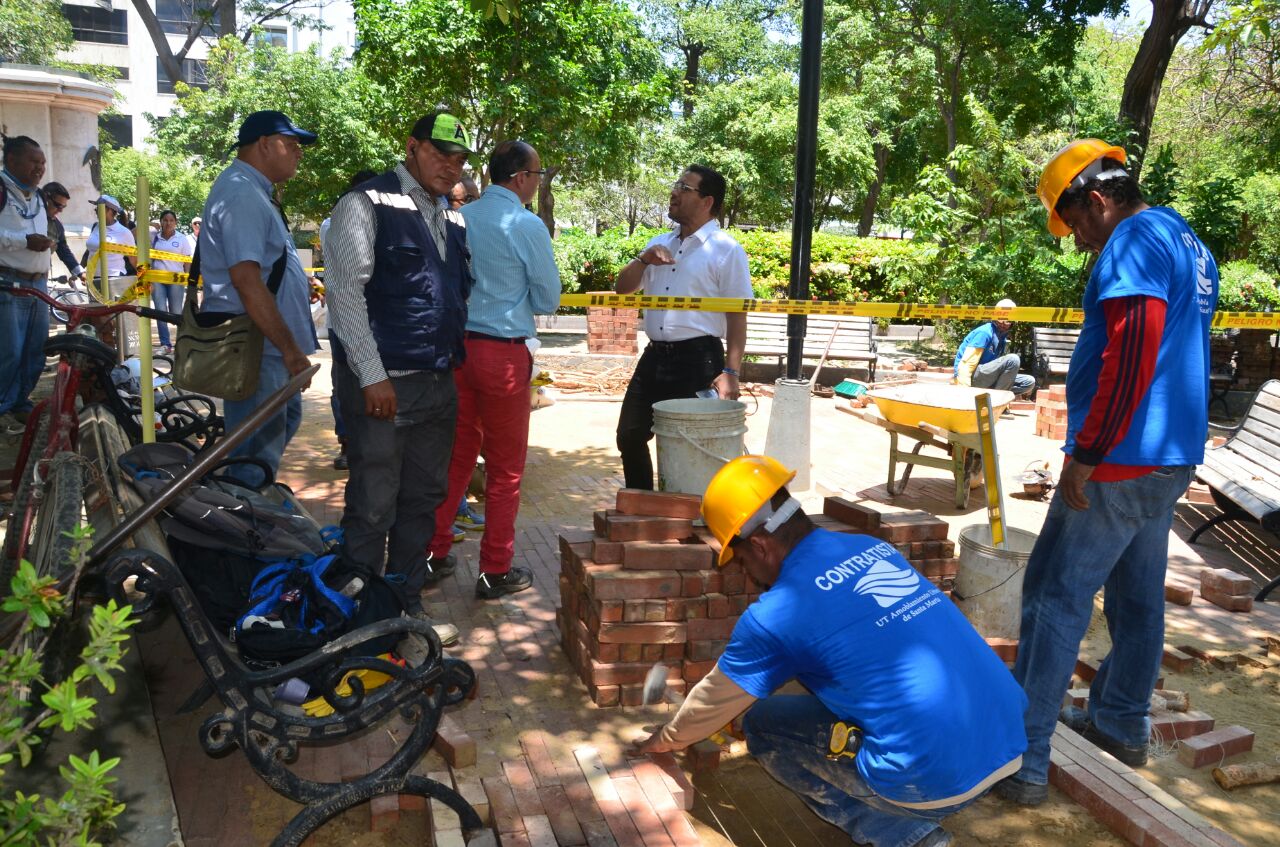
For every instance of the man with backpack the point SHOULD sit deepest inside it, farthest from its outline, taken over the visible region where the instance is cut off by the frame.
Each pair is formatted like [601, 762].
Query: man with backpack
[397, 277]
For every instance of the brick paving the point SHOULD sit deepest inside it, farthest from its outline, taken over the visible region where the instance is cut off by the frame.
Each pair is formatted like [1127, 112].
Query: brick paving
[543, 749]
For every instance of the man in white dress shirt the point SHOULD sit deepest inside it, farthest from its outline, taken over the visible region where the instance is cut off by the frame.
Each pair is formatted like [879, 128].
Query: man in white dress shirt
[685, 354]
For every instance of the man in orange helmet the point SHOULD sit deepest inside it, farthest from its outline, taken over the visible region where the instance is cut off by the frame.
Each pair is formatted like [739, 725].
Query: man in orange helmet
[1137, 414]
[912, 716]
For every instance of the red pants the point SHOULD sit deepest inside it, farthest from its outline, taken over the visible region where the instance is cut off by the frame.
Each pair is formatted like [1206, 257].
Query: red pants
[493, 413]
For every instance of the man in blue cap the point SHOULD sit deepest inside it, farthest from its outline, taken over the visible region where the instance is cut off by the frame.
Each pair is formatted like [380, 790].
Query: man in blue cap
[250, 266]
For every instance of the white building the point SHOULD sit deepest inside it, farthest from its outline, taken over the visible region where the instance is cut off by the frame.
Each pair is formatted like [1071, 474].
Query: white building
[111, 33]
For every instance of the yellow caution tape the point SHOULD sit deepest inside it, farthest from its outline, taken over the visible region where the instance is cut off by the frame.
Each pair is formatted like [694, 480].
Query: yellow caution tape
[898, 311]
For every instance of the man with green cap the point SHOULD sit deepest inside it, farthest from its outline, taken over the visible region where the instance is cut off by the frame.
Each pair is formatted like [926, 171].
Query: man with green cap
[397, 281]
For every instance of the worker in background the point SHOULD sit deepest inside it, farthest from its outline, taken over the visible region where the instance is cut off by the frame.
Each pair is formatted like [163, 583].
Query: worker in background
[982, 360]
[1137, 413]
[911, 717]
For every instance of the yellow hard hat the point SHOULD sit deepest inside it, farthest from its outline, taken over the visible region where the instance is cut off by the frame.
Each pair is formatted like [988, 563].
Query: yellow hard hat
[737, 492]
[1070, 165]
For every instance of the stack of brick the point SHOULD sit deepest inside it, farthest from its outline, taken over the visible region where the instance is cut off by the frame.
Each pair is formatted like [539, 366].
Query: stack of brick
[1051, 412]
[612, 331]
[1227, 589]
[919, 536]
[645, 589]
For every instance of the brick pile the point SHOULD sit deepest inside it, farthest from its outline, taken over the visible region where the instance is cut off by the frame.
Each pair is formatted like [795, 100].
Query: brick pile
[644, 589]
[919, 536]
[612, 331]
[1227, 589]
[1051, 412]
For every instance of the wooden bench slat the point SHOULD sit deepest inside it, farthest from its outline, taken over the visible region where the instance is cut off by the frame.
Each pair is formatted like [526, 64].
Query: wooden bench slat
[1232, 466]
[1243, 497]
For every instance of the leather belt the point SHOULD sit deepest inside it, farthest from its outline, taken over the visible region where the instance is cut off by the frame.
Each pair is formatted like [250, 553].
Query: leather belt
[481, 336]
[666, 347]
[29, 276]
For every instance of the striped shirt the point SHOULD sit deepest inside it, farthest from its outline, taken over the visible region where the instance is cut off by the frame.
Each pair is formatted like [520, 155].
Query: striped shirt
[514, 267]
[349, 262]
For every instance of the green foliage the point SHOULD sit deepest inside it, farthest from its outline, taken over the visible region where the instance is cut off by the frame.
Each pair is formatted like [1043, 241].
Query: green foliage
[175, 183]
[1260, 210]
[1160, 177]
[29, 703]
[591, 263]
[1211, 204]
[1244, 287]
[33, 32]
[320, 93]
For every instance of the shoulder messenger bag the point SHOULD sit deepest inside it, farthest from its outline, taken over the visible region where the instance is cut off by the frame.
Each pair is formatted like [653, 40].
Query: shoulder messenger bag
[219, 354]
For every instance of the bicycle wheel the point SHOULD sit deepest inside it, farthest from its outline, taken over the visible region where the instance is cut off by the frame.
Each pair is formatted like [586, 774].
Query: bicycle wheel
[21, 521]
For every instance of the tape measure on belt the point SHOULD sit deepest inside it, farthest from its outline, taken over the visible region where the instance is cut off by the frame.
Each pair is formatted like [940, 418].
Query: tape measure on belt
[845, 741]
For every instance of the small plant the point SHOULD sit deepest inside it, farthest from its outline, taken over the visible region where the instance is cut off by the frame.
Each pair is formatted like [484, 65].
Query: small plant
[32, 706]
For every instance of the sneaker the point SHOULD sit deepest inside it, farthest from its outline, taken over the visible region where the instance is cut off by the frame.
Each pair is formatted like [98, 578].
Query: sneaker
[1023, 793]
[1076, 719]
[459, 534]
[438, 569]
[493, 585]
[469, 518]
[340, 460]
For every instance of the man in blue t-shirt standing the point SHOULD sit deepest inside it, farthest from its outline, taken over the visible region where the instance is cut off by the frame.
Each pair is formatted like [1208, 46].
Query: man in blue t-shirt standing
[1137, 414]
[911, 717]
[983, 360]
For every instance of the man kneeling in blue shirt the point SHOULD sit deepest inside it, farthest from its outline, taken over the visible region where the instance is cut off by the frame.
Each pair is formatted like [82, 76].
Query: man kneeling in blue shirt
[911, 717]
[983, 360]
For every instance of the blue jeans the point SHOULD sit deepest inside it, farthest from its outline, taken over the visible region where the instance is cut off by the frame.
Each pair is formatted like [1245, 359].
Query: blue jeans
[1120, 543]
[24, 327]
[1002, 374]
[269, 440]
[167, 298]
[788, 735]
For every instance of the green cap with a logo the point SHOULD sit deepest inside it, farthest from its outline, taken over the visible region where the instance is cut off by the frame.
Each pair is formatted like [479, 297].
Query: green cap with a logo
[444, 131]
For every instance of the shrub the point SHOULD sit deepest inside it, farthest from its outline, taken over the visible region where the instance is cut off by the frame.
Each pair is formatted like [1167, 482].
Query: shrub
[1245, 287]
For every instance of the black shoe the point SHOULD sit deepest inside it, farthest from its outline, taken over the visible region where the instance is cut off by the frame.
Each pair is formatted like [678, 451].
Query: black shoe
[1023, 793]
[490, 586]
[1078, 720]
[438, 569]
[340, 460]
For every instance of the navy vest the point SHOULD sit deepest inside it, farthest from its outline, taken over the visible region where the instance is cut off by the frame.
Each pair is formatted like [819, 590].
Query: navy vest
[417, 303]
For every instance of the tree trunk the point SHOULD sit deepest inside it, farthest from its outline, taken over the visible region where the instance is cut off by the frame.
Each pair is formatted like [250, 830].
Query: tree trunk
[227, 22]
[692, 63]
[1170, 20]
[547, 202]
[868, 216]
[172, 64]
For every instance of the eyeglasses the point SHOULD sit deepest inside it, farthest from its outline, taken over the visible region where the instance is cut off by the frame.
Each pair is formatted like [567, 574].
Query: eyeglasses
[528, 171]
[57, 205]
[683, 186]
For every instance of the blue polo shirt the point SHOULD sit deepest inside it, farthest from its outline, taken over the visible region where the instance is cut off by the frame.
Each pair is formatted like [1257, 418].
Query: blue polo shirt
[881, 647]
[514, 268]
[987, 337]
[241, 224]
[1153, 253]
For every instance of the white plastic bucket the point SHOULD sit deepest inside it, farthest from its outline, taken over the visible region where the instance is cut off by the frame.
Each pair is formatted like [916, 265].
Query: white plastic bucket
[696, 437]
[988, 587]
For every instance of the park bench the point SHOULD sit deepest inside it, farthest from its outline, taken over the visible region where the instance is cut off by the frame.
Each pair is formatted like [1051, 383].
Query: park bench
[1243, 474]
[1051, 349]
[854, 338]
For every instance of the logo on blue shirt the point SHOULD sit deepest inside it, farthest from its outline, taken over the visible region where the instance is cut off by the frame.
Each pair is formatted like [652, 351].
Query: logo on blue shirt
[888, 583]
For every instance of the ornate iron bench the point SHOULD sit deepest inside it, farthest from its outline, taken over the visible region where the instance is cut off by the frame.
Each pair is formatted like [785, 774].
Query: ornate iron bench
[1243, 475]
[269, 732]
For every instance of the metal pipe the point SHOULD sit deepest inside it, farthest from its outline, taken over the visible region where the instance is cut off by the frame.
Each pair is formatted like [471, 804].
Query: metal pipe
[806, 163]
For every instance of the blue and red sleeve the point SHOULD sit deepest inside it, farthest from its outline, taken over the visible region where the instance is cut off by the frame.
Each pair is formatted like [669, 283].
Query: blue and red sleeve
[1135, 326]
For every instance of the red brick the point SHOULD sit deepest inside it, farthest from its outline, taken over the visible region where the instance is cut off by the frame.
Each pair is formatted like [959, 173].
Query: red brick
[1168, 727]
[598, 834]
[640, 528]
[717, 606]
[676, 781]
[672, 652]
[710, 628]
[630, 652]
[600, 522]
[606, 552]
[733, 582]
[1086, 670]
[655, 611]
[1176, 660]
[605, 695]
[384, 812]
[523, 787]
[667, 555]
[686, 608]
[939, 568]
[578, 791]
[609, 610]
[1224, 581]
[665, 504]
[1178, 594]
[702, 756]
[642, 813]
[1213, 747]
[1230, 602]
[643, 633]
[860, 517]
[625, 673]
[539, 757]
[453, 743]
[539, 831]
[702, 651]
[1005, 648]
[560, 815]
[905, 527]
[694, 671]
[632, 585]
[502, 806]
[652, 652]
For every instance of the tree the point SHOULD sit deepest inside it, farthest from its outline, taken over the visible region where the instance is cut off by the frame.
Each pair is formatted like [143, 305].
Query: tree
[32, 32]
[319, 93]
[1170, 20]
[574, 78]
[207, 19]
[174, 182]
